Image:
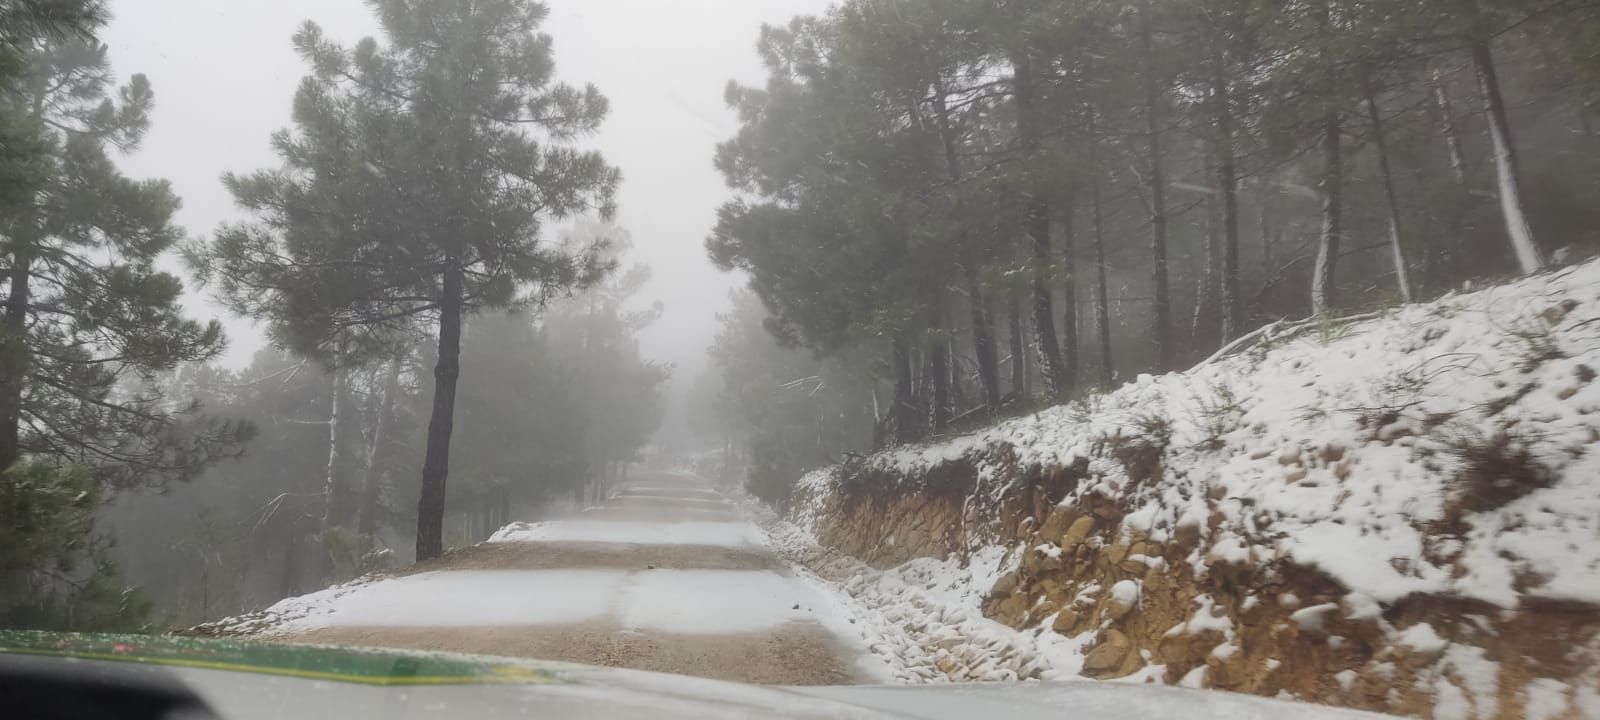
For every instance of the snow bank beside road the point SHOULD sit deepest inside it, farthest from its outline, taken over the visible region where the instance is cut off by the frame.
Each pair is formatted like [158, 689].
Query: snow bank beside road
[1279, 519]
[1346, 447]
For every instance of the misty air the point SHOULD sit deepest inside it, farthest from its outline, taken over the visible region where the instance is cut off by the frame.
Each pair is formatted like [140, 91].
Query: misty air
[800, 358]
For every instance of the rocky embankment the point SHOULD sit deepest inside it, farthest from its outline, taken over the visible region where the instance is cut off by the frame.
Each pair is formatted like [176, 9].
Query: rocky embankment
[1399, 514]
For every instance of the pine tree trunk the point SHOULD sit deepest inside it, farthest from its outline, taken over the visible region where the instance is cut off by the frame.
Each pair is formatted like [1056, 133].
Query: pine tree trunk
[983, 343]
[1037, 226]
[367, 520]
[982, 329]
[289, 581]
[1323, 282]
[958, 395]
[14, 359]
[294, 511]
[1206, 294]
[1456, 252]
[1505, 161]
[334, 491]
[906, 423]
[1402, 270]
[1161, 338]
[1019, 351]
[1447, 123]
[1102, 299]
[436, 463]
[939, 362]
[1046, 345]
[1266, 230]
[1069, 299]
[1228, 184]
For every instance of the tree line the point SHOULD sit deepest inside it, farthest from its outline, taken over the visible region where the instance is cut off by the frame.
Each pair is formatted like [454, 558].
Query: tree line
[985, 205]
[399, 256]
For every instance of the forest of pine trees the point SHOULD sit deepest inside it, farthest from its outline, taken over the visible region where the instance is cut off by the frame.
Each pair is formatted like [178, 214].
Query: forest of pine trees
[408, 260]
[985, 206]
[948, 211]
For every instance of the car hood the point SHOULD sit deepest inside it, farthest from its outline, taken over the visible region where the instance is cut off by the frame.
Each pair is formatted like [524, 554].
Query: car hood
[269, 681]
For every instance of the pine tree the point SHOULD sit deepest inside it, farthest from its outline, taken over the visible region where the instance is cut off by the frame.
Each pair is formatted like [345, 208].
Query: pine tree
[25, 24]
[456, 157]
[86, 313]
[88, 325]
[838, 251]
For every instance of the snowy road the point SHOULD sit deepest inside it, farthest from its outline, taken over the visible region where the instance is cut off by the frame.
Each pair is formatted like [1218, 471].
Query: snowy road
[668, 576]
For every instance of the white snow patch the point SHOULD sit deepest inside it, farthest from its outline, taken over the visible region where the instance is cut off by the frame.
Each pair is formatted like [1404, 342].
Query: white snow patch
[1588, 701]
[721, 534]
[646, 489]
[1479, 681]
[1126, 593]
[1547, 699]
[1206, 617]
[463, 598]
[699, 602]
[1314, 617]
[1421, 637]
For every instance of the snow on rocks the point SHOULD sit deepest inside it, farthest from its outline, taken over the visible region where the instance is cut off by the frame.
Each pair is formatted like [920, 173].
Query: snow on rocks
[924, 618]
[1349, 484]
[1343, 447]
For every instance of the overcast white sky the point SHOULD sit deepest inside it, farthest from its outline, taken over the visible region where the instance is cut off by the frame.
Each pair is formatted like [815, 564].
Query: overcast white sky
[224, 74]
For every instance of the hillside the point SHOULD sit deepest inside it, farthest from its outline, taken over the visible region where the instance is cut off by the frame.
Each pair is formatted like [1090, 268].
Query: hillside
[1397, 512]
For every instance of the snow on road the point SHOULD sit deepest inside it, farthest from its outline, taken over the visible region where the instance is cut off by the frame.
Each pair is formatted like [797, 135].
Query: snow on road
[460, 598]
[724, 601]
[646, 603]
[721, 534]
[700, 602]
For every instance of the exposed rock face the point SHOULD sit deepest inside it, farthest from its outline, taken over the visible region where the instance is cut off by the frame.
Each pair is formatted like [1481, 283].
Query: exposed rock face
[1403, 515]
[886, 519]
[1265, 626]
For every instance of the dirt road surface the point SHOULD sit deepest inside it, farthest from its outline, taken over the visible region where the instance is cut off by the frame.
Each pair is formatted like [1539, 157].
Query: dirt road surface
[718, 605]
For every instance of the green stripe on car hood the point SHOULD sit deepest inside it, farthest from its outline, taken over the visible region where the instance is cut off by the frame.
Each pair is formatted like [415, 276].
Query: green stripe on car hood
[368, 667]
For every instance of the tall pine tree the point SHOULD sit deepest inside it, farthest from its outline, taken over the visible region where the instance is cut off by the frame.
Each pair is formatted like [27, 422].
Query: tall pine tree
[459, 155]
[87, 315]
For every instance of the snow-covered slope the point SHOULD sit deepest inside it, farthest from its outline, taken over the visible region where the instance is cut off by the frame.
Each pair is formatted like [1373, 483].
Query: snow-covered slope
[1357, 439]
[1442, 451]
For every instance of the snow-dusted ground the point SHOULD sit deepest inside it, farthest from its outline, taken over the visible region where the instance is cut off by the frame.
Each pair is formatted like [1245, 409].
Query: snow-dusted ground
[924, 619]
[722, 534]
[689, 603]
[438, 599]
[1342, 444]
[706, 602]
[1348, 447]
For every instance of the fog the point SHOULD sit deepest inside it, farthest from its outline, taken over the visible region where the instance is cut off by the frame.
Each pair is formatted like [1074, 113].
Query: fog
[809, 342]
[224, 73]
